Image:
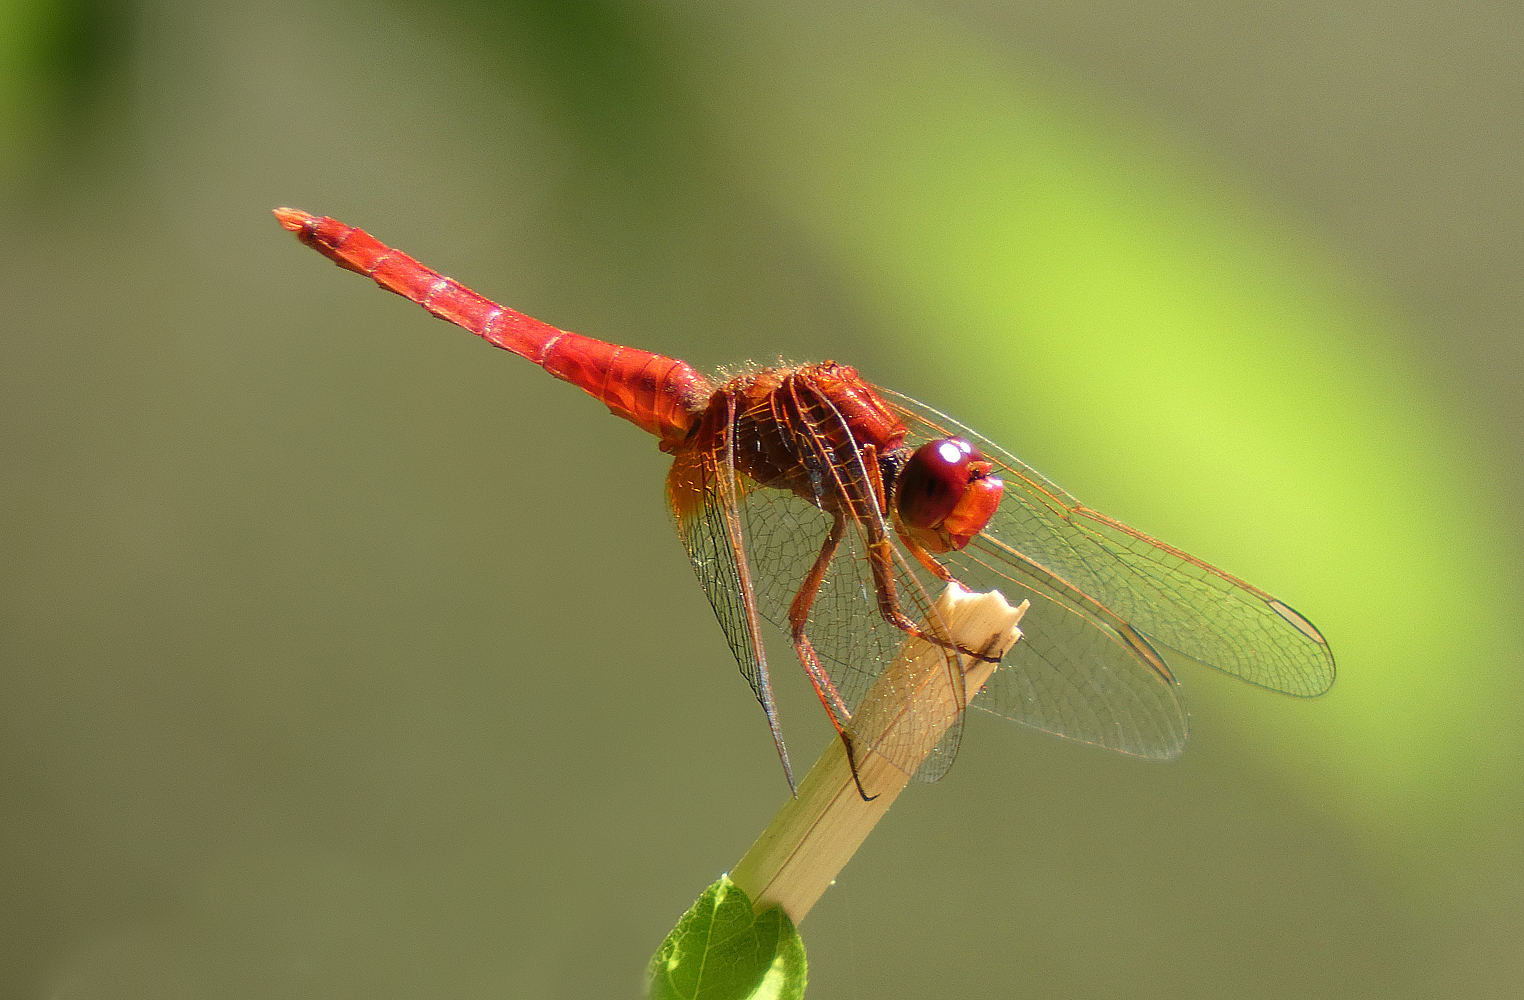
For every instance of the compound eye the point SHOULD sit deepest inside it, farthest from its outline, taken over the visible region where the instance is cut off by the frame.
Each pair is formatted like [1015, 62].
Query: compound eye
[934, 480]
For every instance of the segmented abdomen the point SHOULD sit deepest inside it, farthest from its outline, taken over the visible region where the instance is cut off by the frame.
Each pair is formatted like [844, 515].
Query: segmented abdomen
[658, 394]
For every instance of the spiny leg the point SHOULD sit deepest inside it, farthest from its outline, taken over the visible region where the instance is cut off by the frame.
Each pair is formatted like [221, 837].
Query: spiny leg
[881, 561]
[798, 618]
[926, 559]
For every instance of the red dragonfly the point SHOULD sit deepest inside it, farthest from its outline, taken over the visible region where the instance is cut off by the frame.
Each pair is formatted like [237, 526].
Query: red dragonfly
[832, 509]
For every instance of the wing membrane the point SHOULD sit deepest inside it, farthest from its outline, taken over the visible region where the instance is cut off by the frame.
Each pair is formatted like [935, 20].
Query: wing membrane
[1169, 596]
[1078, 671]
[704, 493]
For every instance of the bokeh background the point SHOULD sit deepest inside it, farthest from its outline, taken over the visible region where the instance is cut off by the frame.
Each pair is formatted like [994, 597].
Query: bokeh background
[341, 655]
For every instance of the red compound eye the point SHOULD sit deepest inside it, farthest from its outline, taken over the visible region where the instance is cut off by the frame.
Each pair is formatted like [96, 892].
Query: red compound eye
[933, 481]
[946, 495]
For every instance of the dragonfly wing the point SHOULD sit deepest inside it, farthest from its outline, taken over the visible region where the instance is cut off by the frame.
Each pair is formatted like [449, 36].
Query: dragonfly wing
[704, 494]
[1078, 671]
[1171, 597]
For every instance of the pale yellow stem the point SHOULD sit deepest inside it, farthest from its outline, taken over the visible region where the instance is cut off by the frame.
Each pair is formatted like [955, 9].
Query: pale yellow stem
[815, 835]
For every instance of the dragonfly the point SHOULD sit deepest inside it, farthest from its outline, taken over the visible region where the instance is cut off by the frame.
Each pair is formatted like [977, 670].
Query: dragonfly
[833, 509]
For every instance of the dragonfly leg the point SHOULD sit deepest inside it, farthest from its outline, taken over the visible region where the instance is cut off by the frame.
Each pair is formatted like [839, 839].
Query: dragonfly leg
[875, 477]
[798, 618]
[881, 555]
[932, 564]
[881, 559]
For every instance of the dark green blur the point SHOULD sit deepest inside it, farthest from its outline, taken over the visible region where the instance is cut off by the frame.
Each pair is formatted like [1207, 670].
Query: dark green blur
[341, 655]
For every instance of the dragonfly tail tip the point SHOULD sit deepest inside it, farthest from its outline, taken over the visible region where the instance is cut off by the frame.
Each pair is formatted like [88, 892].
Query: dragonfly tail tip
[291, 219]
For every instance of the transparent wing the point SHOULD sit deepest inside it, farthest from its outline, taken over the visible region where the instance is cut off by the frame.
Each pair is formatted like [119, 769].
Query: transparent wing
[704, 493]
[1171, 597]
[1078, 671]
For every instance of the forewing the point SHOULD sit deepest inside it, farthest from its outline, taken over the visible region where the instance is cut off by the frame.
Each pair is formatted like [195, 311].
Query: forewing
[1078, 671]
[1169, 596]
[705, 494]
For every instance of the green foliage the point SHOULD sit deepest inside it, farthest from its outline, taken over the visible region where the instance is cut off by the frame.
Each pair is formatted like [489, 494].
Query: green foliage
[722, 950]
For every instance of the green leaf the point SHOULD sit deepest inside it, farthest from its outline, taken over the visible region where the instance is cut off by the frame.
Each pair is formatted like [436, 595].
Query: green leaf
[722, 950]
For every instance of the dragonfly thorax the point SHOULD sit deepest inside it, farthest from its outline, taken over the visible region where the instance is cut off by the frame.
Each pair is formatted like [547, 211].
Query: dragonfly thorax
[806, 429]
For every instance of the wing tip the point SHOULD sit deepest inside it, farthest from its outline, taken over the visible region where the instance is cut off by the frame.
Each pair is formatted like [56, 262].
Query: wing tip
[1300, 623]
[1319, 682]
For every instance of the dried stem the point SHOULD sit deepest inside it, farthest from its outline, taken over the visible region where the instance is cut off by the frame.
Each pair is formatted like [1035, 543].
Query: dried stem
[814, 835]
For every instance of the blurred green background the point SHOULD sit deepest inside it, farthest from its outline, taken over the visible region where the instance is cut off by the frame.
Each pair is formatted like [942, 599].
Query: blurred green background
[341, 655]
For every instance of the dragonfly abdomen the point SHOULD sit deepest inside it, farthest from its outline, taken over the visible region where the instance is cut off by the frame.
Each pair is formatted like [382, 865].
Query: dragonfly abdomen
[658, 394]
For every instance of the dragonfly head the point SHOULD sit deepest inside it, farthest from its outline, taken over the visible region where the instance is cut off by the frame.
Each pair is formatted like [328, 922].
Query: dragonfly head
[945, 494]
